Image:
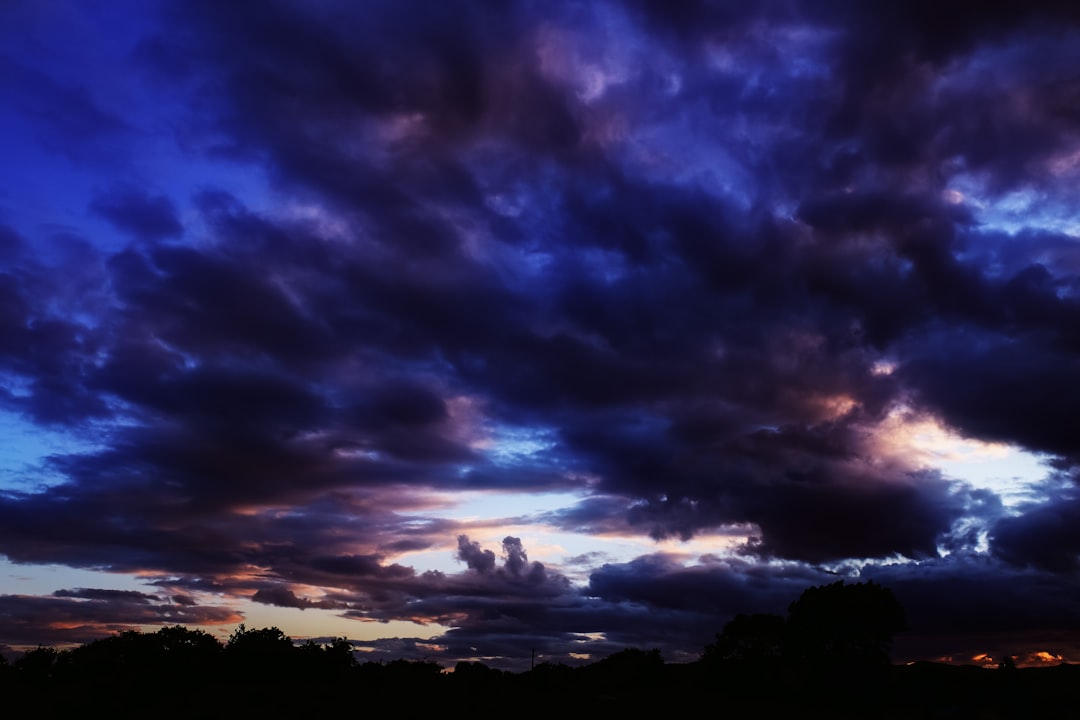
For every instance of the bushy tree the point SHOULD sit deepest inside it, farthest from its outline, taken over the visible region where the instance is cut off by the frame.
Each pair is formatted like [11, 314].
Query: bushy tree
[837, 626]
[846, 625]
[756, 640]
[632, 668]
[339, 654]
[264, 655]
[38, 665]
[265, 641]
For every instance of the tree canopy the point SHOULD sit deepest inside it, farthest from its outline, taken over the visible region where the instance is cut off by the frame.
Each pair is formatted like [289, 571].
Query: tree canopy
[841, 624]
[829, 625]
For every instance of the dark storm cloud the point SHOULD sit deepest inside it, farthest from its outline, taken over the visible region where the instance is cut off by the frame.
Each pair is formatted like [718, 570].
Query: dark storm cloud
[1045, 534]
[283, 597]
[213, 303]
[478, 559]
[1032, 398]
[714, 589]
[516, 564]
[100, 594]
[498, 615]
[652, 602]
[144, 217]
[49, 355]
[810, 492]
[358, 565]
[706, 252]
[969, 604]
[506, 607]
[12, 244]
[958, 606]
[84, 615]
[66, 118]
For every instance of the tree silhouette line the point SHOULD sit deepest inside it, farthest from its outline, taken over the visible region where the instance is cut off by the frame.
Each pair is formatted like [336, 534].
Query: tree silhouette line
[835, 627]
[829, 654]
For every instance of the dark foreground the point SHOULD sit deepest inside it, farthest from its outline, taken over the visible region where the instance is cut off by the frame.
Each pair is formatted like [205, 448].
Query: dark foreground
[130, 677]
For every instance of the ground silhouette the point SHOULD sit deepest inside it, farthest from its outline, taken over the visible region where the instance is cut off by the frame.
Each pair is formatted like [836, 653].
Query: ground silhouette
[827, 658]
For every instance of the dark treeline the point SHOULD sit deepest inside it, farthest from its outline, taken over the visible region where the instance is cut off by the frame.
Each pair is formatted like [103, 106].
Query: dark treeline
[828, 657]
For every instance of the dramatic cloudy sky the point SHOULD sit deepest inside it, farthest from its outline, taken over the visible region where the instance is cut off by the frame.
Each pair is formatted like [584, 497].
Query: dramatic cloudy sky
[464, 329]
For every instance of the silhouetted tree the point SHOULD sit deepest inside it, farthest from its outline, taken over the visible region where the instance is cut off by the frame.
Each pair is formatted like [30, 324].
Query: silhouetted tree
[843, 625]
[339, 654]
[37, 666]
[265, 655]
[265, 641]
[125, 656]
[180, 641]
[754, 640]
[411, 674]
[472, 670]
[324, 663]
[629, 669]
[547, 676]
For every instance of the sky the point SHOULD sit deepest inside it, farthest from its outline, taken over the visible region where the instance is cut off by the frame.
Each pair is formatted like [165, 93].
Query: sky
[469, 330]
